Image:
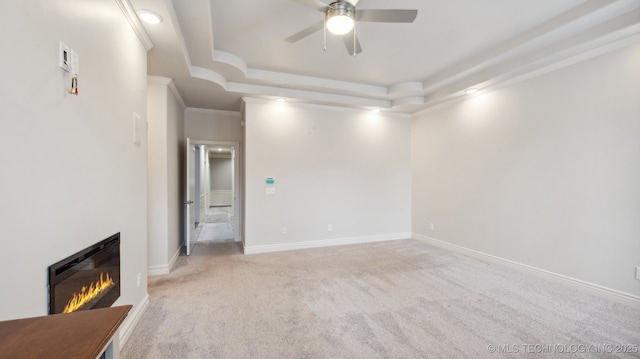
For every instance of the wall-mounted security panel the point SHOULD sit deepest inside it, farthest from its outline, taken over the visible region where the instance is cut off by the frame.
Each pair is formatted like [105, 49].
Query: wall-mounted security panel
[69, 59]
[65, 57]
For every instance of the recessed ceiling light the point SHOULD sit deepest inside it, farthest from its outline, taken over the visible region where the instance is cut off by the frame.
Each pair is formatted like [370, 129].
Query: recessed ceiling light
[219, 149]
[471, 90]
[280, 99]
[375, 110]
[149, 17]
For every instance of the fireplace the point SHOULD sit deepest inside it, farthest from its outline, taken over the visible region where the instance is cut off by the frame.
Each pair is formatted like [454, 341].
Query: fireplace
[86, 280]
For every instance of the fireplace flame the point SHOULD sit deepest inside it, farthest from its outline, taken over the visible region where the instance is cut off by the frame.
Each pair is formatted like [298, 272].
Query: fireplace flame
[88, 293]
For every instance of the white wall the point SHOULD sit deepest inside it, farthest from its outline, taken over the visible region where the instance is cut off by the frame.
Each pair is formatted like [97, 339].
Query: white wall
[166, 170]
[545, 173]
[176, 168]
[158, 179]
[333, 166]
[221, 173]
[210, 125]
[95, 183]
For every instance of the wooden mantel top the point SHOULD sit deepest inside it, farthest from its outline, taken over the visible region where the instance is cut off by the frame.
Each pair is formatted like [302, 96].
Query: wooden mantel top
[83, 334]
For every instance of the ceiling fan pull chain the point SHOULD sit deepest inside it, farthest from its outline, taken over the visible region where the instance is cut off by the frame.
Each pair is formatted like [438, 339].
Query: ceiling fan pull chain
[325, 34]
[355, 51]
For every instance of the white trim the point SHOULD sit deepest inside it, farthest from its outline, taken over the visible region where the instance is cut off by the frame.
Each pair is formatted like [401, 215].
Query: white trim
[132, 320]
[173, 18]
[598, 290]
[296, 103]
[172, 261]
[135, 23]
[164, 268]
[158, 270]
[167, 81]
[238, 190]
[159, 80]
[213, 112]
[279, 247]
[172, 87]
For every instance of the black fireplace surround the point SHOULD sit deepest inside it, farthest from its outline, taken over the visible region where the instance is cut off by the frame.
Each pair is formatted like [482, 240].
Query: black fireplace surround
[86, 280]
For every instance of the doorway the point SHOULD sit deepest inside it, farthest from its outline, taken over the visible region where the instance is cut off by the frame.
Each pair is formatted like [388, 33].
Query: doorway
[215, 195]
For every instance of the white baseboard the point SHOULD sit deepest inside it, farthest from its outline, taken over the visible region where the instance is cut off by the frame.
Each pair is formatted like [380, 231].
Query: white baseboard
[132, 320]
[164, 268]
[172, 261]
[269, 248]
[595, 289]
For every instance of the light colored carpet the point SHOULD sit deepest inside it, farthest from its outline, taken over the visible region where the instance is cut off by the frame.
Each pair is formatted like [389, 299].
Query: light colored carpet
[397, 299]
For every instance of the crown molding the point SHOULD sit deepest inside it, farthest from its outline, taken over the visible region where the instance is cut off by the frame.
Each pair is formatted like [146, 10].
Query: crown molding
[136, 25]
[207, 111]
[161, 80]
[331, 107]
[170, 85]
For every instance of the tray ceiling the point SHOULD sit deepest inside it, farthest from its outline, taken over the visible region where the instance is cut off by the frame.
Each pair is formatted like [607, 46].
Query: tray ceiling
[219, 51]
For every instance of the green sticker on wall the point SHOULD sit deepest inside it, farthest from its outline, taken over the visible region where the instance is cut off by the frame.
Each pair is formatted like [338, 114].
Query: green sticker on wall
[270, 180]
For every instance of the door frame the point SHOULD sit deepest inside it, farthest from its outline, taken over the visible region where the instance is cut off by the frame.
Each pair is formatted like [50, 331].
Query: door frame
[237, 176]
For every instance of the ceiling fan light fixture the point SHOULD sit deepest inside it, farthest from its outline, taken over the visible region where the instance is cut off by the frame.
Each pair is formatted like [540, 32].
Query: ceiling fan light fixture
[339, 24]
[339, 18]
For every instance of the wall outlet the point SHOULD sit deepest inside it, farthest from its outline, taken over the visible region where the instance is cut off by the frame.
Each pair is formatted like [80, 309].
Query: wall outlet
[284, 230]
[431, 226]
[139, 279]
[638, 272]
[330, 228]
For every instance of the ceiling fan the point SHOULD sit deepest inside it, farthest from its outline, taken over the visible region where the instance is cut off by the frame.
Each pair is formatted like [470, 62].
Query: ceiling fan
[340, 18]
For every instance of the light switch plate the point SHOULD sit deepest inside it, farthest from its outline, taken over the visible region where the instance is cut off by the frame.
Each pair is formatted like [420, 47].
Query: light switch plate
[75, 63]
[139, 129]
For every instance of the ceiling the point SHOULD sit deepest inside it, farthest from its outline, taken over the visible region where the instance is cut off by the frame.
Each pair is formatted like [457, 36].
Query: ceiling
[218, 51]
[219, 150]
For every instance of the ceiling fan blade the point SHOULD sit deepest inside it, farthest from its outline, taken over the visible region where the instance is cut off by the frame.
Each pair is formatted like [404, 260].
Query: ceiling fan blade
[353, 2]
[384, 15]
[306, 32]
[348, 42]
[314, 4]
